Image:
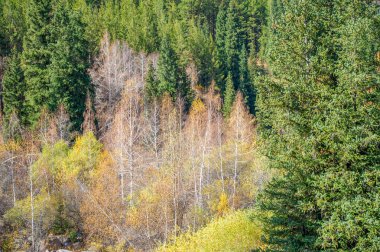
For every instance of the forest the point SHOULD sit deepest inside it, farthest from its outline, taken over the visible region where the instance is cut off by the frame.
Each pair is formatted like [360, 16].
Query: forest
[189, 125]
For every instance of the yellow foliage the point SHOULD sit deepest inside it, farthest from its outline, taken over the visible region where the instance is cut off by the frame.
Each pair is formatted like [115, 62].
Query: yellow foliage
[234, 232]
[223, 204]
[82, 158]
[197, 107]
[102, 212]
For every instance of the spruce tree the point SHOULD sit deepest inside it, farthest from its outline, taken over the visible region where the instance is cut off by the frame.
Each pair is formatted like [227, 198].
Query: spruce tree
[151, 84]
[293, 109]
[245, 83]
[348, 191]
[319, 113]
[233, 43]
[69, 81]
[14, 88]
[229, 96]
[168, 69]
[36, 57]
[220, 48]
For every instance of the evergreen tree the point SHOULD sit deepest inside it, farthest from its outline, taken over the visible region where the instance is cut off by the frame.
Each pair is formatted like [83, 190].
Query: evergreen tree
[229, 96]
[168, 69]
[245, 84]
[220, 52]
[348, 190]
[3, 44]
[318, 111]
[69, 80]
[14, 88]
[234, 41]
[151, 84]
[148, 33]
[292, 111]
[200, 45]
[13, 23]
[36, 57]
[256, 24]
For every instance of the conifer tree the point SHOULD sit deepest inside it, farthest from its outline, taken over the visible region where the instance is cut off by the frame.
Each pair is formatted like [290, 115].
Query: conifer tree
[245, 84]
[14, 87]
[220, 53]
[3, 44]
[167, 71]
[348, 190]
[36, 57]
[292, 111]
[229, 96]
[151, 84]
[171, 76]
[12, 24]
[318, 111]
[69, 80]
[233, 41]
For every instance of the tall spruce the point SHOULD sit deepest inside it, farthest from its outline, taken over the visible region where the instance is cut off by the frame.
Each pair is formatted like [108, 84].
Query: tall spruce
[293, 109]
[171, 76]
[245, 83]
[348, 191]
[151, 84]
[319, 113]
[229, 96]
[220, 52]
[69, 81]
[14, 88]
[234, 40]
[168, 68]
[36, 57]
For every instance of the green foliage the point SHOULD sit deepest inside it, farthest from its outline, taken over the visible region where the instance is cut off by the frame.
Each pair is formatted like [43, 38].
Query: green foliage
[13, 24]
[318, 111]
[36, 57]
[168, 68]
[44, 208]
[200, 46]
[171, 76]
[69, 81]
[234, 40]
[14, 88]
[60, 225]
[229, 96]
[245, 83]
[49, 165]
[151, 83]
[348, 191]
[220, 54]
[234, 232]
[82, 158]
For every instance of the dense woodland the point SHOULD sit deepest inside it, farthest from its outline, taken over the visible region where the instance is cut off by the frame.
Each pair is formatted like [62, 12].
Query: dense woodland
[190, 125]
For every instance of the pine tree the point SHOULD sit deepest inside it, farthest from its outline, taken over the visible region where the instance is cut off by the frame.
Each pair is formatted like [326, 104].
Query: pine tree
[69, 80]
[229, 96]
[36, 57]
[14, 88]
